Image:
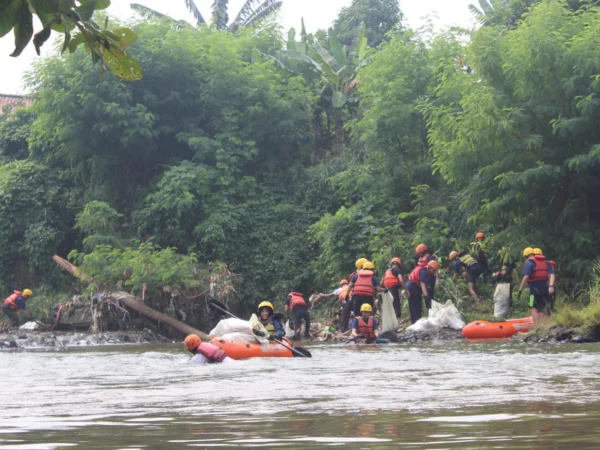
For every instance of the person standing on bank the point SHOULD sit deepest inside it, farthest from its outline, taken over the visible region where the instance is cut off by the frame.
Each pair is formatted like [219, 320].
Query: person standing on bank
[417, 289]
[16, 302]
[297, 306]
[363, 286]
[393, 281]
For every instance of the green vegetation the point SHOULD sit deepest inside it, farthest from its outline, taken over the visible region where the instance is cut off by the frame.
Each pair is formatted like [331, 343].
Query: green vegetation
[282, 161]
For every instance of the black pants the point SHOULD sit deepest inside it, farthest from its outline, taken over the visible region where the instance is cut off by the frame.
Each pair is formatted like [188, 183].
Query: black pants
[299, 314]
[346, 313]
[11, 314]
[431, 288]
[395, 291]
[415, 301]
[358, 301]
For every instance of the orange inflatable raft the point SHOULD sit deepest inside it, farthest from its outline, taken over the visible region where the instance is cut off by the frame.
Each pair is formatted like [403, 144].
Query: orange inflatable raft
[495, 330]
[244, 350]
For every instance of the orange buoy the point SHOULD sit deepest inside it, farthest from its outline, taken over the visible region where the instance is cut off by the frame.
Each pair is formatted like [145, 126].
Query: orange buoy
[244, 350]
[495, 330]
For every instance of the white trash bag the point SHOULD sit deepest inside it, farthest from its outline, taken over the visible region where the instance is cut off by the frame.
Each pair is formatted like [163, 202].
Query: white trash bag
[227, 327]
[440, 316]
[389, 322]
[288, 329]
[502, 301]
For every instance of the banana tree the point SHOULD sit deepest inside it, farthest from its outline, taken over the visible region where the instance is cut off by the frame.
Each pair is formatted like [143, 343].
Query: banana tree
[251, 12]
[334, 71]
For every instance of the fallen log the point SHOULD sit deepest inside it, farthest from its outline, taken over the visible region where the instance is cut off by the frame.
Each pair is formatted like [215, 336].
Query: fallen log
[131, 301]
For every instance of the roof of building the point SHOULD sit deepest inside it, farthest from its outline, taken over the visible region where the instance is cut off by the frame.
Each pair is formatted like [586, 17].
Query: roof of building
[14, 100]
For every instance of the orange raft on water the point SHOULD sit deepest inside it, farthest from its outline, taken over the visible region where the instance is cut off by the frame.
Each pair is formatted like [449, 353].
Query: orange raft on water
[244, 350]
[495, 330]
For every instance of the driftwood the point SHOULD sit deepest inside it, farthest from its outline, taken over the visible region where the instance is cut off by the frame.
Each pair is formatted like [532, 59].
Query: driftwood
[131, 301]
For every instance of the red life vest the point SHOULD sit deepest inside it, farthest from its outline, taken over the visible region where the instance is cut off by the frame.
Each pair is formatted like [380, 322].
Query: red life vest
[211, 352]
[364, 284]
[390, 280]
[344, 293]
[540, 271]
[11, 301]
[297, 300]
[424, 260]
[415, 275]
[367, 329]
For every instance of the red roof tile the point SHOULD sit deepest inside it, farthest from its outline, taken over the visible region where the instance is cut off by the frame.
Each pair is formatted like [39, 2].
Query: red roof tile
[14, 100]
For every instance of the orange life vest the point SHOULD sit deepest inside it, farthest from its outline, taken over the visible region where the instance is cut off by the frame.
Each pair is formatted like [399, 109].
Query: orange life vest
[11, 301]
[390, 280]
[540, 271]
[343, 293]
[297, 300]
[364, 284]
[211, 352]
[367, 329]
[415, 275]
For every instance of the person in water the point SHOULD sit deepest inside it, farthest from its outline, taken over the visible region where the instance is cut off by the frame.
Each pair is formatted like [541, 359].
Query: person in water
[15, 303]
[204, 352]
[364, 328]
[297, 306]
[270, 320]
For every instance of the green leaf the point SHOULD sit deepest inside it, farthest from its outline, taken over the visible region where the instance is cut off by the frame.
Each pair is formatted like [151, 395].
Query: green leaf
[67, 39]
[41, 37]
[23, 29]
[75, 42]
[66, 5]
[88, 7]
[338, 99]
[8, 14]
[122, 64]
[337, 50]
[126, 36]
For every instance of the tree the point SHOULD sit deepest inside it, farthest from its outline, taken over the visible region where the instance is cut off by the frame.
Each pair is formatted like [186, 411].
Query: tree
[64, 16]
[379, 16]
[250, 13]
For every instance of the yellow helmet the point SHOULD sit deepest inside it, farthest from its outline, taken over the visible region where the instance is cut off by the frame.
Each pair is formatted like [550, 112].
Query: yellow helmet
[537, 251]
[266, 305]
[359, 263]
[27, 293]
[366, 307]
[528, 251]
[368, 265]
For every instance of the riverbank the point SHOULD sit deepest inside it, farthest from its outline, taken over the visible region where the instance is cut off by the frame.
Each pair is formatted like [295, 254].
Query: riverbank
[55, 340]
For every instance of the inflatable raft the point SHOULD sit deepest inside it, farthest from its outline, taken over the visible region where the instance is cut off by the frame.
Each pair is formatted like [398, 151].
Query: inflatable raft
[244, 350]
[497, 330]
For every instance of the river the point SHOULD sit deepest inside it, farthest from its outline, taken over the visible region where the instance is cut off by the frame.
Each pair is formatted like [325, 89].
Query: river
[424, 396]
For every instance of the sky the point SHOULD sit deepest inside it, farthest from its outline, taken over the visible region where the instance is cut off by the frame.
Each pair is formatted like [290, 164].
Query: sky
[316, 13]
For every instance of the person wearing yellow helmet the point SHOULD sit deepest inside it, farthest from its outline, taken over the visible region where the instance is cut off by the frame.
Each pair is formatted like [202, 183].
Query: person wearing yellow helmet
[14, 303]
[538, 275]
[363, 285]
[364, 327]
[270, 320]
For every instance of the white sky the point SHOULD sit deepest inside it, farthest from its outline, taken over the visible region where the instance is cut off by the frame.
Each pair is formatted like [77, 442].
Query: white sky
[317, 14]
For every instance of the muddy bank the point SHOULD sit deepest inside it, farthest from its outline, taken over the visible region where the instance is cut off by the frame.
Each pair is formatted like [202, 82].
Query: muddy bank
[555, 334]
[19, 339]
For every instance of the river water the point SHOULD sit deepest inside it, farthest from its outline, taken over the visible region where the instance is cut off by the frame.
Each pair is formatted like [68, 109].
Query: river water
[424, 396]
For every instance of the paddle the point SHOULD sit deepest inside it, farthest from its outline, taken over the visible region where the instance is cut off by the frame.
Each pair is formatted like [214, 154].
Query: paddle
[297, 352]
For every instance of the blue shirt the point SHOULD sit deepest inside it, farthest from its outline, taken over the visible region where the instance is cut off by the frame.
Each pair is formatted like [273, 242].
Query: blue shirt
[457, 266]
[374, 280]
[354, 324]
[20, 302]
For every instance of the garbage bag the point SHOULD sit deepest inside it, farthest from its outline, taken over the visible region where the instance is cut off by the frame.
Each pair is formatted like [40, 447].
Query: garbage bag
[502, 301]
[29, 326]
[389, 322]
[289, 332]
[239, 326]
[426, 324]
[440, 316]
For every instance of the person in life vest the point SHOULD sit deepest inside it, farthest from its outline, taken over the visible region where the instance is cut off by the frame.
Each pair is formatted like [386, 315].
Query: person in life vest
[297, 306]
[348, 306]
[363, 285]
[425, 254]
[479, 252]
[538, 274]
[471, 272]
[505, 270]
[270, 320]
[417, 289]
[364, 328]
[204, 352]
[393, 281]
[17, 301]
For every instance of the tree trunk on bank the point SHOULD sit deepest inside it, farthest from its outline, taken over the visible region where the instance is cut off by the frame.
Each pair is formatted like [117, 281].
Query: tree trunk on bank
[131, 301]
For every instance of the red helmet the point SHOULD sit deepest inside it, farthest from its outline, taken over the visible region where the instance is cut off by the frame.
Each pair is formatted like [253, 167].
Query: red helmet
[192, 341]
[453, 254]
[420, 248]
[396, 260]
[343, 282]
[434, 265]
[480, 235]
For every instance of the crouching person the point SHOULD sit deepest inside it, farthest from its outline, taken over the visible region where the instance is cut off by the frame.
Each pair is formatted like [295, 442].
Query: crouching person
[204, 352]
[364, 328]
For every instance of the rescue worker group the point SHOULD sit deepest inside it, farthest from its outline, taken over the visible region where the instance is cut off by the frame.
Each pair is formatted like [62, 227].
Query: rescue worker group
[358, 293]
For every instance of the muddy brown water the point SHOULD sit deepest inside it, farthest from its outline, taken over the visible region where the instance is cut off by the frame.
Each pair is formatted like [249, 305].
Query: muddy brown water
[446, 395]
